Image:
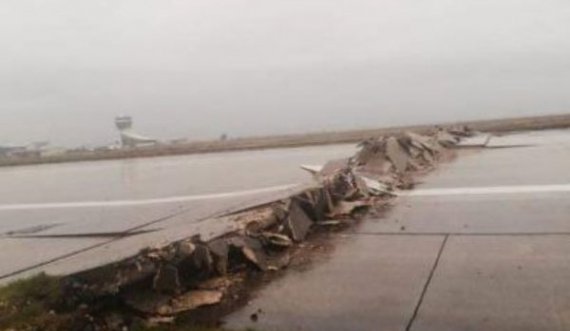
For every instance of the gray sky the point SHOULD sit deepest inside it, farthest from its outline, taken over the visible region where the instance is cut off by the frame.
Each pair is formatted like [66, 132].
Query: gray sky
[253, 67]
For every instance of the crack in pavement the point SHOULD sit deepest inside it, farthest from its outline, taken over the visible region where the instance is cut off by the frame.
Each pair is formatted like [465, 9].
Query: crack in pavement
[426, 286]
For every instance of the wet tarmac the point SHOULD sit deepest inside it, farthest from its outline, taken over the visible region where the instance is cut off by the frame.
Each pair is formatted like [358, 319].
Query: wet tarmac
[52, 216]
[493, 255]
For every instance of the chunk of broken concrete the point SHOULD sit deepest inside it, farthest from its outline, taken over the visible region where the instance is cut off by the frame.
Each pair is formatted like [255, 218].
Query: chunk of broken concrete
[346, 208]
[252, 250]
[202, 258]
[185, 249]
[220, 250]
[190, 301]
[166, 279]
[376, 187]
[333, 166]
[258, 219]
[277, 239]
[298, 223]
[446, 139]
[423, 142]
[397, 154]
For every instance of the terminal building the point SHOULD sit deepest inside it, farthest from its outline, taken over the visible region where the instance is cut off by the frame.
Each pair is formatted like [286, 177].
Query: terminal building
[128, 137]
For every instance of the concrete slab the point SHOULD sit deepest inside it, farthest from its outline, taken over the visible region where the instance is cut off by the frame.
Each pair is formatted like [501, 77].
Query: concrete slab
[531, 138]
[502, 213]
[499, 283]
[18, 254]
[160, 177]
[44, 200]
[83, 220]
[197, 221]
[546, 164]
[372, 283]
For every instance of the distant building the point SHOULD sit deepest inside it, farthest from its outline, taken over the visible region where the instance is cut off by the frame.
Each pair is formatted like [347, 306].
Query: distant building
[128, 137]
[11, 151]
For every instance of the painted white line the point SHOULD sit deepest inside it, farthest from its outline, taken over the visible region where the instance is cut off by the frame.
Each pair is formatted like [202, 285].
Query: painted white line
[122, 203]
[522, 189]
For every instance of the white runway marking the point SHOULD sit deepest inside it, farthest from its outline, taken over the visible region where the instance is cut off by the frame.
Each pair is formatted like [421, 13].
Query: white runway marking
[122, 203]
[523, 189]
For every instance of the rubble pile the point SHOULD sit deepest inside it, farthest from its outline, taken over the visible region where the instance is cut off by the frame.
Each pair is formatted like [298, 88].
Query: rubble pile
[161, 283]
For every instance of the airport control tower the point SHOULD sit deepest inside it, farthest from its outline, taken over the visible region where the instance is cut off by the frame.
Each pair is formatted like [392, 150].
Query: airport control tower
[128, 137]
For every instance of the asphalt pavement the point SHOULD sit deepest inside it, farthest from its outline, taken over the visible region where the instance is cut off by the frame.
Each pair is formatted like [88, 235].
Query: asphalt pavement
[483, 243]
[64, 218]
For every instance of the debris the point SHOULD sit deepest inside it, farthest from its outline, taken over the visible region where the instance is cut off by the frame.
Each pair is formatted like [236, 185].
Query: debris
[346, 208]
[446, 139]
[375, 187]
[279, 262]
[251, 249]
[218, 283]
[259, 219]
[312, 169]
[334, 166]
[166, 279]
[262, 238]
[298, 223]
[202, 258]
[145, 302]
[276, 239]
[318, 203]
[422, 142]
[219, 249]
[397, 154]
[185, 249]
[190, 301]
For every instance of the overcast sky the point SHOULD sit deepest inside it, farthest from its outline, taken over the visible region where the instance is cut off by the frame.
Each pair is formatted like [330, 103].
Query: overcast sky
[198, 68]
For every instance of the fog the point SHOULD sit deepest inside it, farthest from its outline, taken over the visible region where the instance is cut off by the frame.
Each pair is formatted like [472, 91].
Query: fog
[200, 68]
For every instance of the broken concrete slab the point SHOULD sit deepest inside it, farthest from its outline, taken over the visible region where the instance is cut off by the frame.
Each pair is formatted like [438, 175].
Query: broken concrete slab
[376, 187]
[446, 139]
[257, 219]
[334, 166]
[347, 208]
[298, 223]
[261, 230]
[420, 141]
[397, 154]
[220, 251]
[167, 279]
[277, 239]
[252, 250]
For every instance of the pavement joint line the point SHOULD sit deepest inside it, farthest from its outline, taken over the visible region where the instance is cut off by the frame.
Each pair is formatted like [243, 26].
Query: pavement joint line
[86, 249]
[458, 234]
[428, 282]
[516, 189]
